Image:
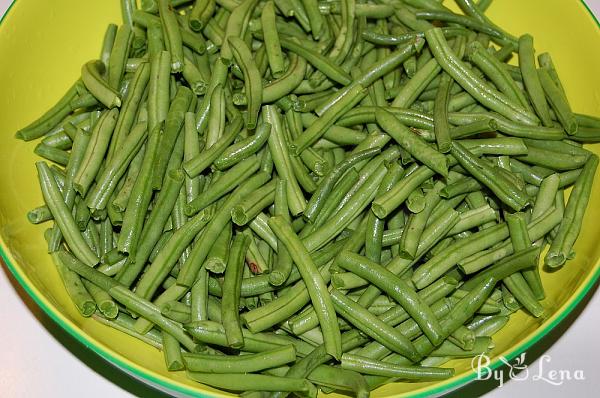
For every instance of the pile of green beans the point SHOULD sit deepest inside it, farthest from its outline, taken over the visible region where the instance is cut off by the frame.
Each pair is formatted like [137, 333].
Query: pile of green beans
[293, 196]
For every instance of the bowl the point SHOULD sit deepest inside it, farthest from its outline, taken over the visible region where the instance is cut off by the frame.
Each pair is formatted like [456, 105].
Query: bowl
[42, 47]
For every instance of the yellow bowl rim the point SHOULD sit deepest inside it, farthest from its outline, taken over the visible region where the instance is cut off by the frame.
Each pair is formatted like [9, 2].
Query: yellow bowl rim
[170, 385]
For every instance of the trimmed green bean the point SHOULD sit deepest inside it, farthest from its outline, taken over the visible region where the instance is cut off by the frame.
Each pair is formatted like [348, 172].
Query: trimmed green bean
[314, 283]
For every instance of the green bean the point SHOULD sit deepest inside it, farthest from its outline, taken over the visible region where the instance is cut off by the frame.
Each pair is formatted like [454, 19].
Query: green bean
[506, 267]
[287, 82]
[119, 203]
[570, 225]
[536, 228]
[91, 75]
[261, 228]
[193, 75]
[201, 13]
[95, 151]
[411, 91]
[457, 315]
[240, 364]
[104, 302]
[214, 333]
[337, 197]
[192, 148]
[160, 70]
[383, 205]
[377, 70]
[200, 298]
[366, 114]
[80, 296]
[465, 21]
[355, 205]
[331, 378]
[124, 323]
[299, 184]
[440, 114]
[375, 226]
[322, 63]
[462, 186]
[489, 307]
[442, 262]
[505, 189]
[255, 382]
[553, 160]
[231, 293]
[130, 107]
[226, 183]
[398, 289]
[253, 204]
[107, 43]
[419, 373]
[281, 309]
[236, 25]
[416, 223]
[517, 283]
[172, 129]
[314, 283]
[200, 250]
[532, 79]
[474, 218]
[172, 352]
[404, 325]
[411, 142]
[128, 299]
[243, 148]
[372, 326]
[39, 215]
[216, 116]
[480, 90]
[173, 36]
[318, 198]
[278, 148]
[558, 146]
[496, 146]
[55, 155]
[252, 79]
[118, 55]
[351, 97]
[558, 102]
[257, 263]
[447, 349]
[140, 196]
[196, 165]
[151, 233]
[62, 216]
[384, 39]
[107, 181]
[52, 118]
[60, 140]
[271, 38]
[494, 70]
[284, 263]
